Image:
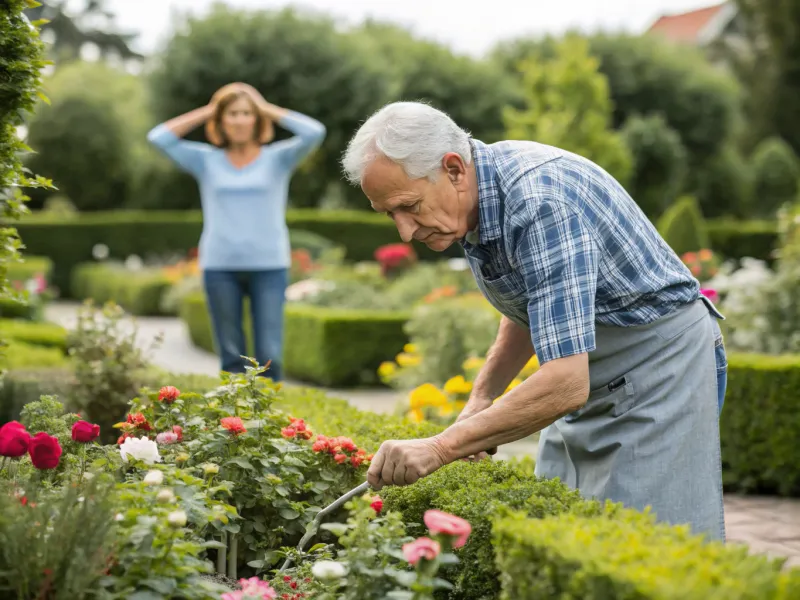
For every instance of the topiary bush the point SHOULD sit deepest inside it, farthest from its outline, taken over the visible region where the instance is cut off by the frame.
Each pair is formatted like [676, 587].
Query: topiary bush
[776, 173]
[659, 163]
[138, 292]
[722, 184]
[682, 226]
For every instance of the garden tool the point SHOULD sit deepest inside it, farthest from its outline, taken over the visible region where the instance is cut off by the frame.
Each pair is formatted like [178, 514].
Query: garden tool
[314, 525]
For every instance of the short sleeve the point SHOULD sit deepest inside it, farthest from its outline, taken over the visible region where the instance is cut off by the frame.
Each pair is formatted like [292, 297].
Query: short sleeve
[558, 260]
[190, 156]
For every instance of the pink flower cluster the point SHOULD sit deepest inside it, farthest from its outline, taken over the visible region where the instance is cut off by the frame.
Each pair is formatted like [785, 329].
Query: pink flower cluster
[343, 449]
[442, 524]
[297, 428]
[252, 588]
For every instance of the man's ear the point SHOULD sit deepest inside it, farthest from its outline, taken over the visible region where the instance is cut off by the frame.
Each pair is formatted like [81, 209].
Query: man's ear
[454, 165]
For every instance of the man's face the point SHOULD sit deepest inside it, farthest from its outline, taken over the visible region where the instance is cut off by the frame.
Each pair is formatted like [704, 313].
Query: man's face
[436, 213]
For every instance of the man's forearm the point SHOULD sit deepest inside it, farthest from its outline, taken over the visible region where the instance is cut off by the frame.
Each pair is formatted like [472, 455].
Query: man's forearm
[505, 359]
[542, 399]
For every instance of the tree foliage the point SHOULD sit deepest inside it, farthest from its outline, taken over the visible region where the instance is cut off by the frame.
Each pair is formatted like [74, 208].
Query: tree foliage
[568, 106]
[776, 173]
[659, 163]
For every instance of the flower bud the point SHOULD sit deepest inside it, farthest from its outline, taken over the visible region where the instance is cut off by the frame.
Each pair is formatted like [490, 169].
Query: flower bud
[165, 496]
[154, 478]
[177, 518]
[182, 458]
[210, 469]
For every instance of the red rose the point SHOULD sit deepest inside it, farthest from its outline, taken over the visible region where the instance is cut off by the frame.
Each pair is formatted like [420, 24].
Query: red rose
[178, 430]
[288, 432]
[85, 432]
[377, 504]
[14, 440]
[45, 451]
[233, 424]
[169, 394]
[340, 458]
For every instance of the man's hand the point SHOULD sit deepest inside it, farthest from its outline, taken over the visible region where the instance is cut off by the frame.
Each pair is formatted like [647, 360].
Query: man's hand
[402, 462]
[473, 407]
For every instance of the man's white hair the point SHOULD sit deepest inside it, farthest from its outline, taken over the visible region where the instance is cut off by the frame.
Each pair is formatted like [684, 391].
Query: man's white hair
[412, 134]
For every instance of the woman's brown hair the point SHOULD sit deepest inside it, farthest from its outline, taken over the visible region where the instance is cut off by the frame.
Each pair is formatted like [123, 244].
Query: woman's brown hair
[216, 134]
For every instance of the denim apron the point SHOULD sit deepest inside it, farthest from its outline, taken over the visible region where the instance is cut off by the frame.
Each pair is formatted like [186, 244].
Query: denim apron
[649, 433]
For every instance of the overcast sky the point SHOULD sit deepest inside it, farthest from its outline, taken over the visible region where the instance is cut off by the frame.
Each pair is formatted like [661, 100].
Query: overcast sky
[472, 30]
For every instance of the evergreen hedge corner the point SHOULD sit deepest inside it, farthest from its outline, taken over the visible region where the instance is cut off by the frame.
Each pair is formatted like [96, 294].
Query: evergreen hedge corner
[683, 227]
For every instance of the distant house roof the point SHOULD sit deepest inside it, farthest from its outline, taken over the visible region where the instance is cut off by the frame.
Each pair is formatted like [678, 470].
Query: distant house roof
[696, 26]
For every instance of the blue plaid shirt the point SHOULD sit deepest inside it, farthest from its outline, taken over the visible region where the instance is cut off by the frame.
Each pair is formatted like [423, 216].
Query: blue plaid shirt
[560, 246]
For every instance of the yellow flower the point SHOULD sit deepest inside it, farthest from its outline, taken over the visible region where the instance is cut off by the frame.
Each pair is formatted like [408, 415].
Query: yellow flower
[410, 348]
[416, 415]
[473, 363]
[407, 360]
[446, 410]
[427, 395]
[458, 385]
[531, 366]
[387, 369]
[514, 383]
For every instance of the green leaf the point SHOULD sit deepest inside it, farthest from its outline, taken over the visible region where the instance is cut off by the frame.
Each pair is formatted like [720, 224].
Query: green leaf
[316, 547]
[242, 462]
[213, 544]
[406, 578]
[293, 461]
[321, 486]
[162, 586]
[400, 595]
[442, 584]
[259, 527]
[257, 564]
[288, 513]
[146, 595]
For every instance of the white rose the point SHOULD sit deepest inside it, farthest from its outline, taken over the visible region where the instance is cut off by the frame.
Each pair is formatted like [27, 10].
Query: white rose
[328, 570]
[140, 449]
[154, 478]
[177, 518]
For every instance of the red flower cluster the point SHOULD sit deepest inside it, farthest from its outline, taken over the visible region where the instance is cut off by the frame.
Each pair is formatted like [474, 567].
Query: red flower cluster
[395, 256]
[135, 422]
[342, 449]
[85, 432]
[233, 424]
[15, 441]
[168, 394]
[301, 259]
[293, 584]
[297, 428]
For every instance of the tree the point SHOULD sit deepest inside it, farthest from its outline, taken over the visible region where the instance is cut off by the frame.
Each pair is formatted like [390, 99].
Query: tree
[568, 106]
[80, 144]
[765, 56]
[659, 163]
[70, 33]
[297, 61]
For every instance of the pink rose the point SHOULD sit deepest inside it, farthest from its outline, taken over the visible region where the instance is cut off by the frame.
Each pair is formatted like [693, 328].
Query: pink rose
[167, 437]
[421, 548]
[442, 522]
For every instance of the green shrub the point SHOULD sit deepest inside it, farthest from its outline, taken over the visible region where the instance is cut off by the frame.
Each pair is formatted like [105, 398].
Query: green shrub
[723, 185]
[740, 239]
[760, 424]
[138, 292]
[777, 176]
[626, 557]
[156, 234]
[97, 176]
[19, 355]
[659, 163]
[331, 347]
[47, 335]
[682, 226]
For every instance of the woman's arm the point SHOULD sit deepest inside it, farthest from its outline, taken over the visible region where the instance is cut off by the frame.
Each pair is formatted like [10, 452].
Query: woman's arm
[308, 132]
[167, 137]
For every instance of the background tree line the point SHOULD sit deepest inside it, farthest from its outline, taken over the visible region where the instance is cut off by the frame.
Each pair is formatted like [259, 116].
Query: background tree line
[663, 119]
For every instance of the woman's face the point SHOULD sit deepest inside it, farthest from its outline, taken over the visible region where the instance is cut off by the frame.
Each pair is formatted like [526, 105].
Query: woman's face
[239, 121]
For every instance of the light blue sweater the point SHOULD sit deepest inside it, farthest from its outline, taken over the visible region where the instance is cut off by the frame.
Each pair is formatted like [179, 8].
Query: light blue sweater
[244, 210]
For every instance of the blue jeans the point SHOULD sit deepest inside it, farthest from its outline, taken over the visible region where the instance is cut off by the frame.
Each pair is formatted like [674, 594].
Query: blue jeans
[225, 294]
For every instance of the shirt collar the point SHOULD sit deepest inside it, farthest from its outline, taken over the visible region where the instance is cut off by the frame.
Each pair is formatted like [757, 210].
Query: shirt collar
[489, 205]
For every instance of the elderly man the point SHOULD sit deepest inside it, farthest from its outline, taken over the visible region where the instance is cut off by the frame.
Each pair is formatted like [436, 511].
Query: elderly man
[633, 368]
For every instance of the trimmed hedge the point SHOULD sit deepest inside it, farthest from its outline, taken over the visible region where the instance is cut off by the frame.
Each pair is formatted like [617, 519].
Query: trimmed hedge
[760, 424]
[139, 293]
[626, 556]
[69, 242]
[326, 346]
[740, 239]
[19, 273]
[46, 335]
[682, 226]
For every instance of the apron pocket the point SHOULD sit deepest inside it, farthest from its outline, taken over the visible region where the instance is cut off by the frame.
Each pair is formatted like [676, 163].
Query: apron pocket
[615, 399]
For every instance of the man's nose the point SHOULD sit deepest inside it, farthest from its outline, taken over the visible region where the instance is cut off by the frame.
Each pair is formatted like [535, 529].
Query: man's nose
[406, 226]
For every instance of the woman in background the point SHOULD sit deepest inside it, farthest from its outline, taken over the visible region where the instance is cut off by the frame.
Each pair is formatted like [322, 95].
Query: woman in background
[244, 181]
